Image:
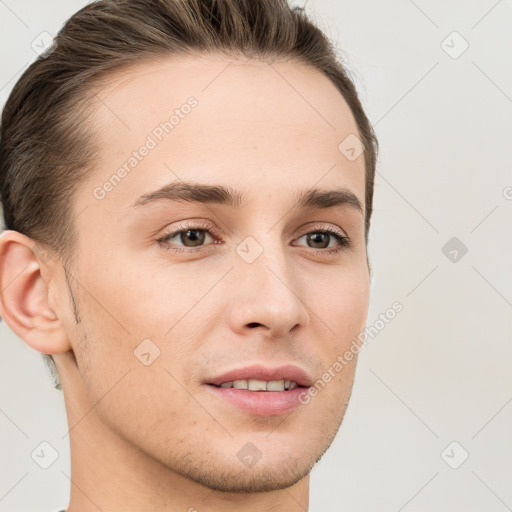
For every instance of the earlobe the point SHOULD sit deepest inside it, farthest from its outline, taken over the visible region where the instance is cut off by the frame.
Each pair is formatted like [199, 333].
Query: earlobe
[24, 298]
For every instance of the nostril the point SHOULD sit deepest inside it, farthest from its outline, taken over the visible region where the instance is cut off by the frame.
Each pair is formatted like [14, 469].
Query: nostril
[254, 324]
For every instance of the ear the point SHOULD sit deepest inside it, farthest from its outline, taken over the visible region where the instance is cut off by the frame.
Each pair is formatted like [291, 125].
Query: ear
[24, 298]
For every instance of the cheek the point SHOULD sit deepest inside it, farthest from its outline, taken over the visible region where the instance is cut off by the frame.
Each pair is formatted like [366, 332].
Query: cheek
[343, 304]
[149, 300]
[147, 408]
[120, 314]
[343, 309]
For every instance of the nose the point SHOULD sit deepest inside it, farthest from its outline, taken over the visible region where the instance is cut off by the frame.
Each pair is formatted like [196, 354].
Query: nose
[269, 297]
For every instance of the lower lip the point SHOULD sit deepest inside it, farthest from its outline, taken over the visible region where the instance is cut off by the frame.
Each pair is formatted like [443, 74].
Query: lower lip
[262, 403]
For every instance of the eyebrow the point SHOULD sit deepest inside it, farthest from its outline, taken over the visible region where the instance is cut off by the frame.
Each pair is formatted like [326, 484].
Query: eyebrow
[219, 194]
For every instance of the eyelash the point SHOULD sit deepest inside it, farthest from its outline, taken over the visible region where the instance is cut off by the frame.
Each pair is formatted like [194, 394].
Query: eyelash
[344, 241]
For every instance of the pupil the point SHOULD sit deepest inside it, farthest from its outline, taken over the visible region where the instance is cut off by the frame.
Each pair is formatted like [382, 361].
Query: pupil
[315, 236]
[192, 236]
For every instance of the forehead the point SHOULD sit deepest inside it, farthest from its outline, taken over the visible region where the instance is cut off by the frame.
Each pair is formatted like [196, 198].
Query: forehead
[254, 125]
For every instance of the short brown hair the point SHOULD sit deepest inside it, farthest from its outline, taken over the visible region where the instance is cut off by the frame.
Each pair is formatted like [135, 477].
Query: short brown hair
[45, 146]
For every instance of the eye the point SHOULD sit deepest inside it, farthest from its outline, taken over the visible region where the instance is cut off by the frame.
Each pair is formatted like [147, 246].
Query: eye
[192, 237]
[189, 235]
[321, 239]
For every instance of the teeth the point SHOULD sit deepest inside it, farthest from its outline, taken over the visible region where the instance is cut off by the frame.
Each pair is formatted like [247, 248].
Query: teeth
[257, 385]
[240, 384]
[260, 385]
[275, 385]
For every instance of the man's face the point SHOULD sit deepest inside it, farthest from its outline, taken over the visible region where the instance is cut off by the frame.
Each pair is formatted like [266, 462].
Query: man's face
[257, 284]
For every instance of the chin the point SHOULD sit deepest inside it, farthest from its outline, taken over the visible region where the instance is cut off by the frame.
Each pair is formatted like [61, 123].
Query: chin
[251, 480]
[240, 466]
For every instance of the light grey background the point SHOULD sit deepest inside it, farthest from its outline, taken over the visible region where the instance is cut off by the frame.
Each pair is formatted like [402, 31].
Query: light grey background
[440, 371]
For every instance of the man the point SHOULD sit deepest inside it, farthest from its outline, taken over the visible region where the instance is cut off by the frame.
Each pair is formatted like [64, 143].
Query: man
[187, 191]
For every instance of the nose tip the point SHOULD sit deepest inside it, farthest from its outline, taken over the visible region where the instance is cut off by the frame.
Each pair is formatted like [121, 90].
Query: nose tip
[269, 304]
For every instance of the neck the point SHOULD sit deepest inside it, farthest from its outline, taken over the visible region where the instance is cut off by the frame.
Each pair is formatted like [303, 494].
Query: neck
[109, 473]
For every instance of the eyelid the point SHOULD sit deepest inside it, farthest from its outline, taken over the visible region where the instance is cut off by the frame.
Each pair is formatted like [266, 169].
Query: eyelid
[200, 225]
[324, 226]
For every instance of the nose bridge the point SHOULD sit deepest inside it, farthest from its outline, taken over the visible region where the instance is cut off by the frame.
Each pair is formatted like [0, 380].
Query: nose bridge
[268, 291]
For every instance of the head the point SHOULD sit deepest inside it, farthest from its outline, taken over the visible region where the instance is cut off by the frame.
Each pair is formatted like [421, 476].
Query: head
[187, 189]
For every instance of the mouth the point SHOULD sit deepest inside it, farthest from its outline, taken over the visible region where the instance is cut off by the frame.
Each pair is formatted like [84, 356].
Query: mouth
[262, 391]
[260, 385]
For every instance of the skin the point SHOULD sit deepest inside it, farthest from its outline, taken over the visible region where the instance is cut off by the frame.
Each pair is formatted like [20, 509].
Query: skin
[151, 437]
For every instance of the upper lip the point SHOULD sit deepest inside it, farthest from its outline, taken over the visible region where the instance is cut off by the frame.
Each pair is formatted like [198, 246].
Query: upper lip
[259, 372]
